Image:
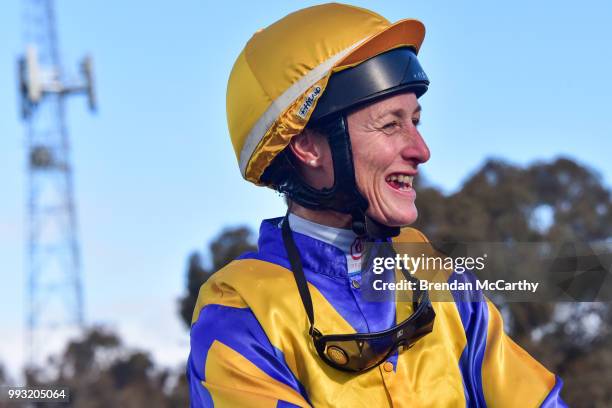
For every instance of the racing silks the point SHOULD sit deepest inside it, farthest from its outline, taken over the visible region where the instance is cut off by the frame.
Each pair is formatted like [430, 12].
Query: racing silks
[250, 345]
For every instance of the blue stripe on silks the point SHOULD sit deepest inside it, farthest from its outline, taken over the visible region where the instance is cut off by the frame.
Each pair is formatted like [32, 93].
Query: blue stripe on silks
[475, 318]
[239, 329]
[199, 397]
[553, 400]
[285, 404]
[393, 359]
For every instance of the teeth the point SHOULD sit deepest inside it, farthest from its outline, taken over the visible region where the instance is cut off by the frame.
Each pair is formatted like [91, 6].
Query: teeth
[404, 180]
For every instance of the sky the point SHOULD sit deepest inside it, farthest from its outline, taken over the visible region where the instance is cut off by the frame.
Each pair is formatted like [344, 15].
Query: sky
[155, 174]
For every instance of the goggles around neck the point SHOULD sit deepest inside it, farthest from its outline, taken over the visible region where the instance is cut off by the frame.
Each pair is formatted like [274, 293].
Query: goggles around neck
[359, 352]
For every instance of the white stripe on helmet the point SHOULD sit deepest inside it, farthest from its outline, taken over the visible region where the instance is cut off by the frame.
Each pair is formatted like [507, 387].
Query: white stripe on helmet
[280, 104]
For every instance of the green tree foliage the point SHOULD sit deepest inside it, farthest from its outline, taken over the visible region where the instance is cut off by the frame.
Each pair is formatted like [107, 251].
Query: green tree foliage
[4, 380]
[196, 276]
[500, 201]
[102, 372]
[227, 246]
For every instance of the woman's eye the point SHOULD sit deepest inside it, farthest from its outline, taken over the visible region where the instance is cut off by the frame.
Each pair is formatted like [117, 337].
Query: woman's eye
[390, 126]
[416, 122]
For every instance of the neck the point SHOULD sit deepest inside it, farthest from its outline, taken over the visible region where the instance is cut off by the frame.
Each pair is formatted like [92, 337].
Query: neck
[325, 217]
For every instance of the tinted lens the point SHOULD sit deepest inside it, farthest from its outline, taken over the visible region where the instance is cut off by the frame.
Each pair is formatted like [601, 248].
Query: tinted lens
[361, 352]
[356, 355]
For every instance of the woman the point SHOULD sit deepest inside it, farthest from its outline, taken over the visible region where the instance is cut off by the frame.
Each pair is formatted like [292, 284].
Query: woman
[323, 107]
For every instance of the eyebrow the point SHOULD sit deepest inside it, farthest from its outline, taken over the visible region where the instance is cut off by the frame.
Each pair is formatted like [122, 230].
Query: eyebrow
[399, 112]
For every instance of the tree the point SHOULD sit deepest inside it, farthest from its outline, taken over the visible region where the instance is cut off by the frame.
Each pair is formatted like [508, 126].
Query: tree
[101, 372]
[227, 246]
[4, 379]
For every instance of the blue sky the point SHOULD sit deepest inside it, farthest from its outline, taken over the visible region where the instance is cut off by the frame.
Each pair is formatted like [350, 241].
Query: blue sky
[155, 174]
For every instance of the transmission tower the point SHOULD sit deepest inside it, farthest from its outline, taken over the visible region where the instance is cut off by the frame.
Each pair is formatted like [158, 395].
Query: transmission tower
[54, 283]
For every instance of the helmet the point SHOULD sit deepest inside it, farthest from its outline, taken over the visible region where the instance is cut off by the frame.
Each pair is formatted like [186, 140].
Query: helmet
[311, 68]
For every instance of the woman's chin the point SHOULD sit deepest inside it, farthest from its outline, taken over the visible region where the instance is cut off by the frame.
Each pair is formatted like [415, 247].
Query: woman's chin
[397, 217]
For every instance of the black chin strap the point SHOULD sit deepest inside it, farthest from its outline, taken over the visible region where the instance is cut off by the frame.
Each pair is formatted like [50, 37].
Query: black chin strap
[365, 226]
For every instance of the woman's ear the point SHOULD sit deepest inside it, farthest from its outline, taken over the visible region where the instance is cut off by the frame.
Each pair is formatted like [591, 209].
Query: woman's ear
[306, 148]
[312, 156]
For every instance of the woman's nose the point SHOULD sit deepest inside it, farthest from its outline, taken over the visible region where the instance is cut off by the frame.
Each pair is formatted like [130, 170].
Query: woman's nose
[415, 149]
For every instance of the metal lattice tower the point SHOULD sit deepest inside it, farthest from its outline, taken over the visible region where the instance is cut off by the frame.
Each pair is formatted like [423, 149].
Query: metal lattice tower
[54, 282]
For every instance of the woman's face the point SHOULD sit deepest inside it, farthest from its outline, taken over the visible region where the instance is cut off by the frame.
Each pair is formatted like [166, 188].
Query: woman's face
[387, 149]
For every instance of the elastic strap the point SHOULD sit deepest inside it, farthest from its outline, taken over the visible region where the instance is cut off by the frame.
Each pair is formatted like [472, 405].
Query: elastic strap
[298, 271]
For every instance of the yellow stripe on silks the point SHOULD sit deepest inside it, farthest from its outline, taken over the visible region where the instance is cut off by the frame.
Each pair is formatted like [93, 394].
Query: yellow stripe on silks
[214, 291]
[409, 234]
[510, 376]
[422, 248]
[428, 375]
[243, 381]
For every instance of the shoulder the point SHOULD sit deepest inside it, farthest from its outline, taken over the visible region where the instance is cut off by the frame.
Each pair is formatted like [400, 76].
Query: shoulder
[223, 311]
[239, 282]
[409, 234]
[246, 306]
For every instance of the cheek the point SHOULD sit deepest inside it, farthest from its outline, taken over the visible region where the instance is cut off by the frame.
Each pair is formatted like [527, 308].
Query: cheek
[371, 160]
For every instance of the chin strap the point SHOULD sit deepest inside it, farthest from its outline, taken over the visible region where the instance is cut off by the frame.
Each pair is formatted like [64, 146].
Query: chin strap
[365, 226]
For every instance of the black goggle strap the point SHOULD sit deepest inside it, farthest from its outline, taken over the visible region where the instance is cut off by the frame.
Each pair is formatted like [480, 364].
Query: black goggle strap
[298, 272]
[418, 296]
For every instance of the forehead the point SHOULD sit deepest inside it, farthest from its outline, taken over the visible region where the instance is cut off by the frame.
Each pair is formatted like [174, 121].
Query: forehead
[404, 104]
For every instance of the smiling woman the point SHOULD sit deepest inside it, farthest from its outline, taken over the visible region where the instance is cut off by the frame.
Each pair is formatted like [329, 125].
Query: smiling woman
[323, 107]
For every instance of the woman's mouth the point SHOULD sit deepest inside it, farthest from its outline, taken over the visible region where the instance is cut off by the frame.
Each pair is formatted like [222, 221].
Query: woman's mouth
[400, 181]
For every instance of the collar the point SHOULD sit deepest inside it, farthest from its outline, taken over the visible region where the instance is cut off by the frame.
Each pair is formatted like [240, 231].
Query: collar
[317, 255]
[344, 239]
[341, 238]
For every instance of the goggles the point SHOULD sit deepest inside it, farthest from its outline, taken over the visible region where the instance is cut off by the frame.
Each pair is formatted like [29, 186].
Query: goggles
[359, 352]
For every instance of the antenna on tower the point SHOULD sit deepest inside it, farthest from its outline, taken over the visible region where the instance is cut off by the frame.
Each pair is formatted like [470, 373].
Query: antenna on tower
[35, 82]
[54, 281]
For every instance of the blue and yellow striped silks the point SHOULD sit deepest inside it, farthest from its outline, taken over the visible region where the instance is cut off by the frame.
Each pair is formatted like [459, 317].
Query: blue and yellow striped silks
[250, 347]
